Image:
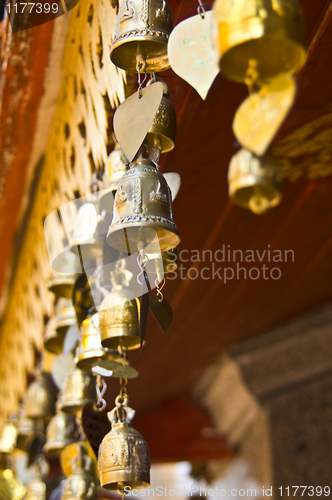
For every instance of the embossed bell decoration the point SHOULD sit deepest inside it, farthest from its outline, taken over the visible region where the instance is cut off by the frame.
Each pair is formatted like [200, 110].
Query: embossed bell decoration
[85, 241]
[60, 432]
[81, 484]
[8, 438]
[141, 36]
[259, 39]
[65, 315]
[123, 457]
[119, 316]
[254, 182]
[41, 397]
[36, 490]
[143, 213]
[115, 168]
[162, 132]
[53, 340]
[79, 389]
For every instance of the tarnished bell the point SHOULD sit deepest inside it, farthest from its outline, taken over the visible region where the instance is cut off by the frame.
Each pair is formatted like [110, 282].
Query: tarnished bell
[79, 389]
[254, 182]
[89, 348]
[259, 39]
[8, 438]
[141, 36]
[143, 213]
[60, 432]
[36, 490]
[27, 429]
[41, 397]
[65, 315]
[81, 484]
[53, 340]
[84, 240]
[10, 487]
[123, 457]
[162, 132]
[115, 168]
[119, 316]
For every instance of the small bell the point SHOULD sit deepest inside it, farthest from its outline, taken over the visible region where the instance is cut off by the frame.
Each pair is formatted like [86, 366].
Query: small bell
[41, 397]
[119, 315]
[8, 438]
[259, 39]
[89, 348]
[70, 454]
[162, 132]
[79, 389]
[62, 284]
[143, 213]
[84, 241]
[115, 168]
[141, 36]
[254, 182]
[27, 430]
[60, 432]
[81, 484]
[65, 315]
[53, 340]
[123, 457]
[36, 490]
[10, 487]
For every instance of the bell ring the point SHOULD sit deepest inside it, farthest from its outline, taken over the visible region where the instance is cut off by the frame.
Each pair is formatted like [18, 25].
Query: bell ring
[259, 39]
[27, 430]
[254, 182]
[62, 284]
[53, 340]
[123, 457]
[70, 454]
[141, 36]
[60, 433]
[143, 212]
[79, 389]
[36, 490]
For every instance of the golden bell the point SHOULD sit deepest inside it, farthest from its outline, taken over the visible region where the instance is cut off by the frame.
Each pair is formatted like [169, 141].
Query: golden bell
[60, 432]
[115, 167]
[141, 36]
[36, 490]
[70, 454]
[162, 132]
[259, 39]
[10, 487]
[27, 429]
[84, 241]
[53, 340]
[81, 484]
[8, 438]
[254, 182]
[65, 315]
[41, 397]
[119, 316]
[123, 457]
[79, 389]
[143, 213]
[62, 284]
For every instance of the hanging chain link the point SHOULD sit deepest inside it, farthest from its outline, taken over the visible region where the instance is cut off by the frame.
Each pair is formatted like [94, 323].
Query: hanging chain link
[101, 387]
[200, 9]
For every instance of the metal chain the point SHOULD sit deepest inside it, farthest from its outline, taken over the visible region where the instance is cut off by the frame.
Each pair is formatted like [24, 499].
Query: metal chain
[101, 387]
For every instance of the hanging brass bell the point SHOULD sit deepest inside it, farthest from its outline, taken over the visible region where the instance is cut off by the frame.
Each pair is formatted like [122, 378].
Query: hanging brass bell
[141, 36]
[143, 213]
[10, 487]
[162, 132]
[53, 340]
[123, 457]
[84, 241]
[27, 429]
[81, 484]
[36, 490]
[79, 389]
[115, 168]
[60, 432]
[254, 182]
[62, 284]
[259, 39]
[41, 397]
[65, 315]
[119, 319]
[8, 438]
